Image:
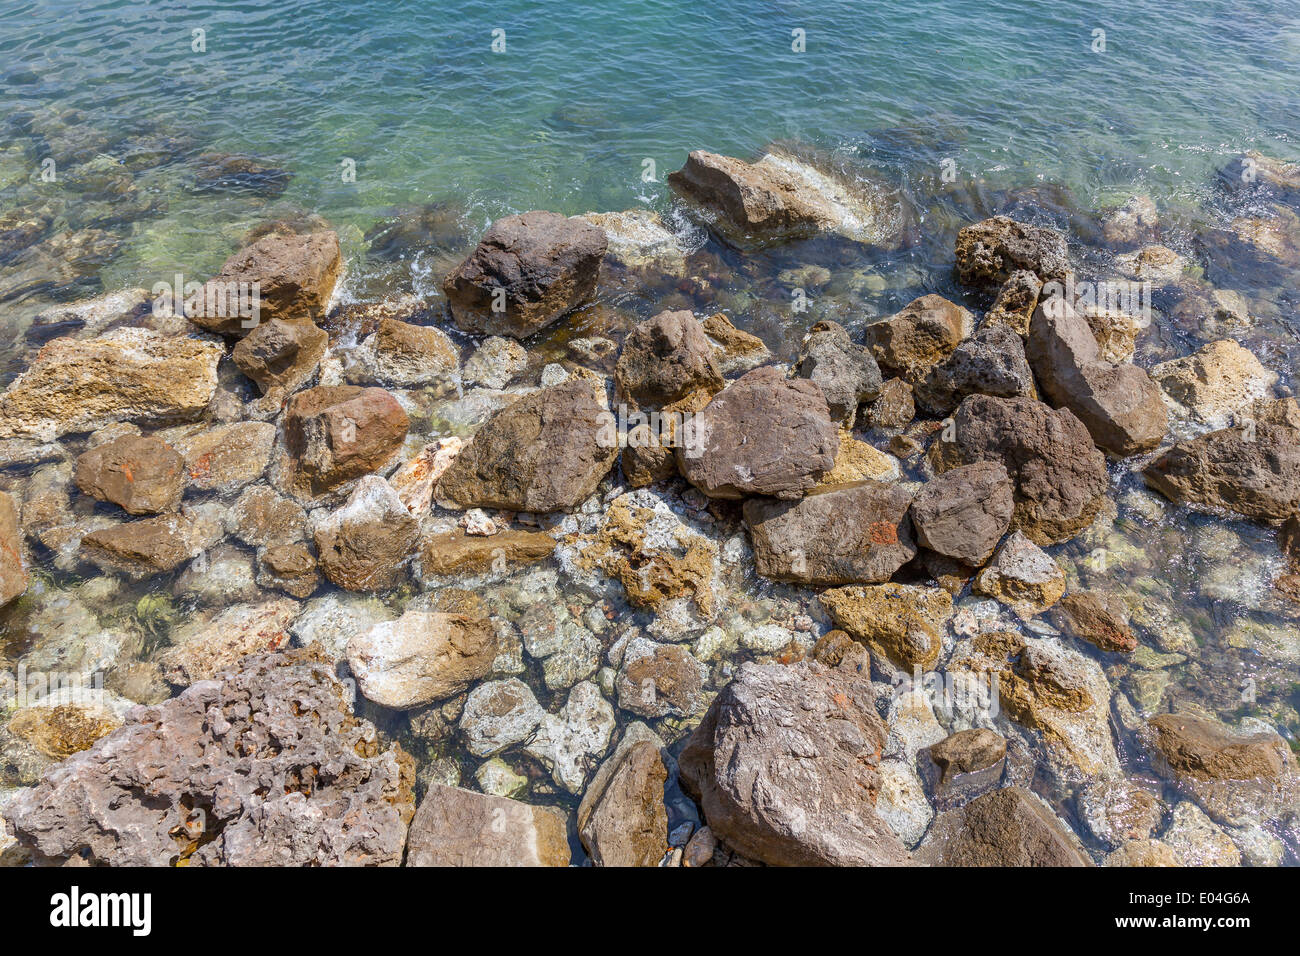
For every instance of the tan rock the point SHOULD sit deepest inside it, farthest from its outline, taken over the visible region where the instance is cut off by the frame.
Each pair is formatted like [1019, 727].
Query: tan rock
[421, 657]
[900, 621]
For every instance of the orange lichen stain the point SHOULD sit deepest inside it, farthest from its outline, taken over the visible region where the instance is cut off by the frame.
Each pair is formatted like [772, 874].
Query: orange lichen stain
[202, 467]
[882, 532]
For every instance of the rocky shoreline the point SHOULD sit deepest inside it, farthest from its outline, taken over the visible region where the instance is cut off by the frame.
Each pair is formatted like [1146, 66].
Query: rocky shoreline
[467, 581]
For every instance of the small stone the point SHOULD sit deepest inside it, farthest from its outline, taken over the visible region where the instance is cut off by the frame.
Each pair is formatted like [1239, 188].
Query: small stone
[1022, 575]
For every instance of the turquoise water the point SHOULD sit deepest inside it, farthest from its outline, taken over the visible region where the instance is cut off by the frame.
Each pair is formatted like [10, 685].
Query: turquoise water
[585, 93]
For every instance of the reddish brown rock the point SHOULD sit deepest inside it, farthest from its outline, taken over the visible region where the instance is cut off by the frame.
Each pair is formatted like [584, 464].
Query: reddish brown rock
[337, 433]
[141, 475]
[294, 276]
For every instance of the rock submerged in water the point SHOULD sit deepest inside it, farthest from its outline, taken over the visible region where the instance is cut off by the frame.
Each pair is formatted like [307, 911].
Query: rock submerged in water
[527, 272]
[902, 622]
[141, 475]
[455, 827]
[785, 767]
[301, 781]
[364, 545]
[1008, 827]
[422, 657]
[13, 565]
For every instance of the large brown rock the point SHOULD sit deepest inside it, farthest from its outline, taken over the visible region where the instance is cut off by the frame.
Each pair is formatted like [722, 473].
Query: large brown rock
[295, 276]
[664, 359]
[622, 820]
[1060, 477]
[337, 433]
[141, 475]
[909, 343]
[404, 354]
[455, 827]
[991, 251]
[546, 452]
[991, 362]
[266, 766]
[761, 435]
[1099, 619]
[902, 622]
[364, 545]
[855, 533]
[455, 552]
[527, 272]
[280, 356]
[1009, 827]
[421, 657]
[1118, 403]
[13, 566]
[1252, 469]
[228, 457]
[963, 513]
[133, 375]
[785, 768]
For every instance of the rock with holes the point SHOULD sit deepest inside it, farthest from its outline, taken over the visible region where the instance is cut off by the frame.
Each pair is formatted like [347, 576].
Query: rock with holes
[902, 622]
[992, 251]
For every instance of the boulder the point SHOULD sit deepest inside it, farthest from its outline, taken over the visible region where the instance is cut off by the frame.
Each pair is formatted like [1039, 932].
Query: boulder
[846, 372]
[1157, 264]
[658, 680]
[991, 362]
[854, 533]
[142, 548]
[294, 276]
[734, 350]
[963, 513]
[622, 820]
[963, 765]
[364, 545]
[1022, 575]
[1213, 385]
[1060, 477]
[991, 251]
[1134, 222]
[266, 766]
[1100, 619]
[922, 334]
[664, 359]
[124, 375]
[202, 649]
[337, 433]
[1252, 469]
[495, 363]
[13, 564]
[141, 475]
[1008, 827]
[281, 356]
[546, 452]
[1117, 811]
[527, 272]
[1016, 300]
[785, 768]
[498, 715]
[455, 552]
[228, 457]
[895, 408]
[455, 827]
[761, 435]
[263, 517]
[421, 657]
[1119, 404]
[902, 622]
[404, 355]
[571, 743]
[290, 568]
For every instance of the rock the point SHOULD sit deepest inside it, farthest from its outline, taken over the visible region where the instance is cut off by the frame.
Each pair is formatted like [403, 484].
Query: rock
[657, 680]
[1157, 264]
[734, 350]
[544, 265]
[571, 743]
[337, 433]
[700, 848]
[414, 481]
[1238, 776]
[234, 173]
[1100, 619]
[498, 715]
[455, 827]
[1119, 404]
[124, 375]
[664, 359]
[364, 545]
[902, 622]
[858, 461]
[785, 767]
[281, 356]
[778, 198]
[639, 239]
[405, 355]
[13, 566]
[300, 780]
[1214, 384]
[201, 650]
[992, 251]
[1253, 470]
[844, 534]
[421, 657]
[1142, 853]
[263, 517]
[1115, 330]
[1023, 576]
[455, 552]
[145, 547]
[837, 649]
[1016, 301]
[228, 457]
[497, 778]
[331, 620]
[294, 276]
[546, 452]
[1117, 811]
[1060, 478]
[141, 475]
[1134, 222]
[495, 363]
[222, 577]
[963, 513]
[895, 408]
[921, 335]
[846, 372]
[964, 765]
[761, 435]
[1008, 827]
[1196, 841]
[901, 802]
[1052, 689]
[992, 362]
[290, 568]
[622, 820]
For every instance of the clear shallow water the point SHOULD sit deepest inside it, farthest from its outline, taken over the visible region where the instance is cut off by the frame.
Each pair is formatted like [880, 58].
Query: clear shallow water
[1031, 119]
